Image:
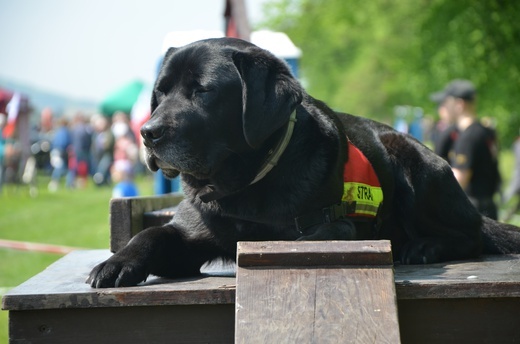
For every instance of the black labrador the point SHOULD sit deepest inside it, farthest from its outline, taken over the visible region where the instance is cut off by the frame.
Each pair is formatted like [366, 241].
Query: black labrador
[262, 160]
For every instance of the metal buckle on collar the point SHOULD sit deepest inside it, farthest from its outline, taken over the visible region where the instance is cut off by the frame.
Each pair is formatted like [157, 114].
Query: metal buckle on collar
[334, 212]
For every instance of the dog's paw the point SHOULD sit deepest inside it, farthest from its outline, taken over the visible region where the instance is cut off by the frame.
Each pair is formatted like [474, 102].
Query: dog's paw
[421, 251]
[117, 272]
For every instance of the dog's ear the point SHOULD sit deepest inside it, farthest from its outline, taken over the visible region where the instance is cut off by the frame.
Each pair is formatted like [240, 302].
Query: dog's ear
[269, 93]
[160, 75]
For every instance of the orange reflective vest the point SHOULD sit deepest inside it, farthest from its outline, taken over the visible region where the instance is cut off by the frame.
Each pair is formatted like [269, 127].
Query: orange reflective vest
[362, 194]
[361, 188]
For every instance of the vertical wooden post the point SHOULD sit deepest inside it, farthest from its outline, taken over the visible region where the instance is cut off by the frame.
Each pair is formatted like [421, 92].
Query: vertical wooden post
[126, 216]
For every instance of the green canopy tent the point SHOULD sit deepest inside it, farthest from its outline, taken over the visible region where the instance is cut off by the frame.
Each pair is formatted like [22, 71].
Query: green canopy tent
[122, 99]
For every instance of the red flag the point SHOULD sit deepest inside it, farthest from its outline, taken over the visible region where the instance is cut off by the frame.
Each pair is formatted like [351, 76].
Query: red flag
[13, 108]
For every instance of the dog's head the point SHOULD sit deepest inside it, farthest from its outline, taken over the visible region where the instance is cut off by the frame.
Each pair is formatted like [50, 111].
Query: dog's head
[215, 99]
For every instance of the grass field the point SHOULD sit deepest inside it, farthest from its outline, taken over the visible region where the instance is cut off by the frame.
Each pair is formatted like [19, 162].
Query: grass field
[78, 218]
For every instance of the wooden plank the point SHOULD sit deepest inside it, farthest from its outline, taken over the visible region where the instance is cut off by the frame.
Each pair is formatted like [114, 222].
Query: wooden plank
[159, 324]
[158, 217]
[357, 306]
[314, 253]
[346, 302]
[486, 277]
[475, 321]
[474, 301]
[126, 216]
[62, 285]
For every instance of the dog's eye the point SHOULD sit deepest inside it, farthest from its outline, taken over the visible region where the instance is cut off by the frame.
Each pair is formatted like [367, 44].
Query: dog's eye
[201, 90]
[202, 93]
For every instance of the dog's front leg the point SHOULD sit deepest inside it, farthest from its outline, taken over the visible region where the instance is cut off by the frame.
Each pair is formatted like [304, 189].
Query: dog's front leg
[162, 251]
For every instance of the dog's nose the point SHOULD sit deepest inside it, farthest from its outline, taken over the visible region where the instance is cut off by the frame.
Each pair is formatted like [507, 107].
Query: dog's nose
[152, 133]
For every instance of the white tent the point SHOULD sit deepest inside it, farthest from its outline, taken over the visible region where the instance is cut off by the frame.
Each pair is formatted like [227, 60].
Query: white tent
[277, 43]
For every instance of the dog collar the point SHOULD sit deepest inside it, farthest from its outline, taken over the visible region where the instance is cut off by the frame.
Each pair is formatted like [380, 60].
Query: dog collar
[210, 194]
[275, 154]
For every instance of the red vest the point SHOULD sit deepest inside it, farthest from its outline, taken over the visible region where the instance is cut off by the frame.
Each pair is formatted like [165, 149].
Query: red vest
[361, 187]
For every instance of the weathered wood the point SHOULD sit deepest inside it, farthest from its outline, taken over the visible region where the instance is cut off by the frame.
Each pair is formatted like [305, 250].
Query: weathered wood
[474, 301]
[314, 253]
[62, 285]
[127, 216]
[335, 301]
[475, 321]
[159, 324]
[158, 217]
[457, 302]
[487, 277]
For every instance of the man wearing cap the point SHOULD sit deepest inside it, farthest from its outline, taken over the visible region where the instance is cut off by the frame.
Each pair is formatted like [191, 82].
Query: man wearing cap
[446, 133]
[474, 156]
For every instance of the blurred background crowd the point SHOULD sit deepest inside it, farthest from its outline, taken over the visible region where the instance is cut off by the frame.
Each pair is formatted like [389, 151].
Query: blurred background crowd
[380, 60]
[73, 152]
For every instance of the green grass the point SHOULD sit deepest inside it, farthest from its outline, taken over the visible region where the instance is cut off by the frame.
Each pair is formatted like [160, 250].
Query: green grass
[77, 218]
[71, 217]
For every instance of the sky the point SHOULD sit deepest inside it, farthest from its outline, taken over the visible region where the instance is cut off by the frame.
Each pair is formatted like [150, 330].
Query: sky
[88, 48]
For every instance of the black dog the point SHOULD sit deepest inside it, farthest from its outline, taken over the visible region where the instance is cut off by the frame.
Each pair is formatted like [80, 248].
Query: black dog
[262, 160]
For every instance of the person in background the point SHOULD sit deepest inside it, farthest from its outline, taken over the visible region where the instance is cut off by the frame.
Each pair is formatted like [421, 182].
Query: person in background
[514, 186]
[416, 126]
[46, 120]
[79, 158]
[123, 175]
[60, 145]
[446, 132]
[475, 155]
[102, 151]
[125, 144]
[3, 122]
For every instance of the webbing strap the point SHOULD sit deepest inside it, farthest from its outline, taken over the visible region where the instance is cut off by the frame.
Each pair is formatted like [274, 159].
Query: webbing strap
[326, 215]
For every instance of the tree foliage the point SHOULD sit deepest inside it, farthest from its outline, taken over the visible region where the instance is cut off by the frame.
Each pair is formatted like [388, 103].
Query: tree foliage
[366, 57]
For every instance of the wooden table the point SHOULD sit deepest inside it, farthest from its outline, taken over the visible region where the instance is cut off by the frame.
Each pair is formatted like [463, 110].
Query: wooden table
[57, 306]
[457, 302]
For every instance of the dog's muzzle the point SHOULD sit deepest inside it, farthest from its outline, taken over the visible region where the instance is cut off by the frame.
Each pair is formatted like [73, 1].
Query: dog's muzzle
[154, 164]
[152, 133]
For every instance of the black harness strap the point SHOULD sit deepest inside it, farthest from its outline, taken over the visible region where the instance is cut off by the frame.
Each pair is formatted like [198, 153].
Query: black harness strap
[326, 215]
[343, 210]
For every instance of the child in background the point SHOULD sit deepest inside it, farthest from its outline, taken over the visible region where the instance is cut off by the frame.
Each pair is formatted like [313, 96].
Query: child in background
[123, 176]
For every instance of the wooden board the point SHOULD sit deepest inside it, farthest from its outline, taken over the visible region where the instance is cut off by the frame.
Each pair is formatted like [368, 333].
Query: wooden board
[489, 276]
[474, 301]
[158, 217]
[333, 300]
[127, 216]
[313, 253]
[452, 320]
[62, 285]
[158, 324]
